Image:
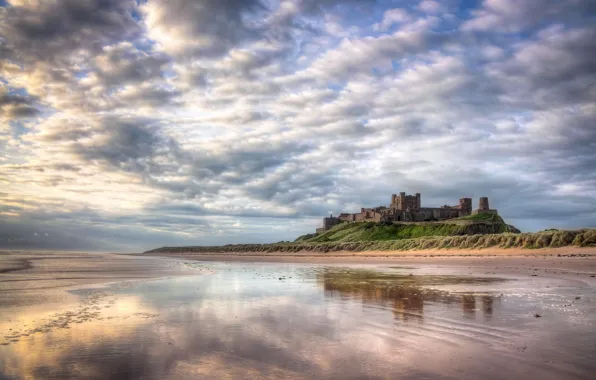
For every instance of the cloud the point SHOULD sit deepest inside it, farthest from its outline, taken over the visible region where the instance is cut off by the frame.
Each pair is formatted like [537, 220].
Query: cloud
[184, 27]
[512, 16]
[391, 17]
[129, 145]
[551, 70]
[16, 106]
[224, 121]
[430, 6]
[47, 30]
[124, 63]
[355, 56]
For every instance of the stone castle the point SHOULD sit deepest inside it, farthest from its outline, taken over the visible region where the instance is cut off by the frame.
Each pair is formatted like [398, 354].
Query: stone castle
[408, 208]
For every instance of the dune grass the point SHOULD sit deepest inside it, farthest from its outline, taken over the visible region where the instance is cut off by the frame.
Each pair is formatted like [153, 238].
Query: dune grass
[545, 239]
[371, 231]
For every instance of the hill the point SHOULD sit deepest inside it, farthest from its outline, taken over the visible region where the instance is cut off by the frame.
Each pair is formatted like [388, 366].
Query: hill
[480, 224]
[471, 232]
[544, 239]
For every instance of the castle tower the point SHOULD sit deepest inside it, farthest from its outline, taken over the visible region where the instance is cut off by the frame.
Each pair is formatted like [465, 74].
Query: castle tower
[483, 204]
[465, 205]
[393, 200]
[418, 200]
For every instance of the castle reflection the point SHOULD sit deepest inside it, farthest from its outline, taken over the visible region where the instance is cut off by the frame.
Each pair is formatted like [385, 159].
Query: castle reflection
[407, 295]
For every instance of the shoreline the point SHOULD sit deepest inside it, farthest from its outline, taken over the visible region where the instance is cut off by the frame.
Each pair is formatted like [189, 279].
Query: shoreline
[577, 264]
[382, 256]
[32, 279]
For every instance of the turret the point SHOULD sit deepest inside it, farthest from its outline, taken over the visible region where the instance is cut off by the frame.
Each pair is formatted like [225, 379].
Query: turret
[483, 204]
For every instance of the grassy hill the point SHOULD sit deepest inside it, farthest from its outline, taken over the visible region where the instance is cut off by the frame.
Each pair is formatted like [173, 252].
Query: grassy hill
[471, 232]
[371, 231]
[544, 239]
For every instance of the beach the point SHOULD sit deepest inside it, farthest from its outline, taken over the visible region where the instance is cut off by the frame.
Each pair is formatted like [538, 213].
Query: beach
[477, 256]
[113, 316]
[44, 277]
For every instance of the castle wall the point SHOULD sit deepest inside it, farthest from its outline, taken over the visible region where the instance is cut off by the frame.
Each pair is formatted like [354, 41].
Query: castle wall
[347, 217]
[330, 222]
[425, 214]
[367, 215]
[494, 212]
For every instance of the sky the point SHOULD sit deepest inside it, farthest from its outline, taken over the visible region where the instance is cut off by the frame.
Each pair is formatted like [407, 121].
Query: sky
[128, 125]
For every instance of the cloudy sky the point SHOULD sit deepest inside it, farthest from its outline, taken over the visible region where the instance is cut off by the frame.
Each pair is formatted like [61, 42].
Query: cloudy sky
[127, 125]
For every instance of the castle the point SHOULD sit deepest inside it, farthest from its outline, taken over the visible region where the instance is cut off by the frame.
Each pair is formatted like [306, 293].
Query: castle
[408, 208]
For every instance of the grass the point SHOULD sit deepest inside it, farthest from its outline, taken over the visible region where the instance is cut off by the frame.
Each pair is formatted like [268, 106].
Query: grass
[305, 237]
[379, 232]
[545, 239]
[371, 231]
[483, 217]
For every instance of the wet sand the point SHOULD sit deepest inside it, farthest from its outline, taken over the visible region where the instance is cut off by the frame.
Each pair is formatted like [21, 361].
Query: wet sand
[32, 278]
[576, 262]
[104, 316]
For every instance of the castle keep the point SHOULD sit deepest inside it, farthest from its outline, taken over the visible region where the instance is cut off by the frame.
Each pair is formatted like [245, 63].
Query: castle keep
[408, 208]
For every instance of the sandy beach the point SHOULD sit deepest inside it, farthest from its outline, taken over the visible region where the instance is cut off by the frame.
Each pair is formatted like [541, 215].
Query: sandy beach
[370, 315]
[29, 278]
[43, 277]
[427, 256]
[574, 262]
[484, 252]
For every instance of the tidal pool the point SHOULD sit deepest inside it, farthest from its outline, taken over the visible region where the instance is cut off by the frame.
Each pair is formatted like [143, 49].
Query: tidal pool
[301, 321]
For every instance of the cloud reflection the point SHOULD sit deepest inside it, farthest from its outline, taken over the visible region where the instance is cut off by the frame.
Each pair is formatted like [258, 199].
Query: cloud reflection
[244, 322]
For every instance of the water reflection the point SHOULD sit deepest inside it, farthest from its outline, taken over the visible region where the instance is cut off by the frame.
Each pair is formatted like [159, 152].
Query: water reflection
[76, 343]
[406, 295]
[290, 322]
[487, 306]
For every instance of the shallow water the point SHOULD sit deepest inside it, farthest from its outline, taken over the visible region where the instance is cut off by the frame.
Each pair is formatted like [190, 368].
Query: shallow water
[239, 321]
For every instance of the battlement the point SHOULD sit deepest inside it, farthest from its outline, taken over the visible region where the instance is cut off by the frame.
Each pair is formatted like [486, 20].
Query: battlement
[405, 202]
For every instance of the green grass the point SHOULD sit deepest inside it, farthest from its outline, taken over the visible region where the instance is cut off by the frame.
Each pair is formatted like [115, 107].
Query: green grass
[546, 239]
[371, 231]
[483, 217]
[471, 232]
[379, 232]
[305, 237]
